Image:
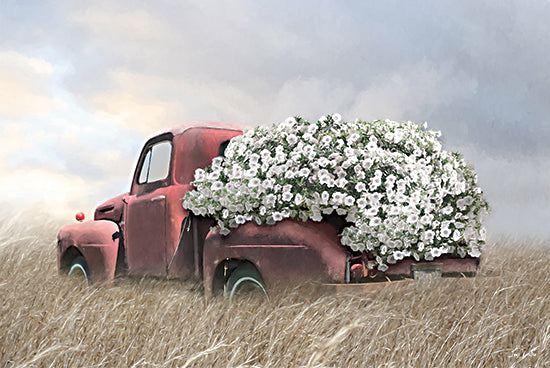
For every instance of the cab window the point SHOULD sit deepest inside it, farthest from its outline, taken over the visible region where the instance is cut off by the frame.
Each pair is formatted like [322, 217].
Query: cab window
[156, 165]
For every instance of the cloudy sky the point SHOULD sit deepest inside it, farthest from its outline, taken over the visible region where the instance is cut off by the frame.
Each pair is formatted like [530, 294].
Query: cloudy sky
[82, 85]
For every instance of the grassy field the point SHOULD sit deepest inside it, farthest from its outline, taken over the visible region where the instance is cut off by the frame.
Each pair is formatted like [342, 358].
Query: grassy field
[498, 319]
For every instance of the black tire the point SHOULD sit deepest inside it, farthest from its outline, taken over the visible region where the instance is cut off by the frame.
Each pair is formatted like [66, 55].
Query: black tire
[79, 270]
[245, 281]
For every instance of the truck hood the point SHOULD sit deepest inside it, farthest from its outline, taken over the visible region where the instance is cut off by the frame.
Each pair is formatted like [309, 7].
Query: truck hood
[111, 209]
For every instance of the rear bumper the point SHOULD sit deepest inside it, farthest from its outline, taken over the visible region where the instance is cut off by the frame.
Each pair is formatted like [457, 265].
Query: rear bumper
[450, 266]
[366, 288]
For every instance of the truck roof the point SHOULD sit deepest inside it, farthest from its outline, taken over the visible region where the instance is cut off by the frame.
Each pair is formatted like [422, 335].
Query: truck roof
[179, 129]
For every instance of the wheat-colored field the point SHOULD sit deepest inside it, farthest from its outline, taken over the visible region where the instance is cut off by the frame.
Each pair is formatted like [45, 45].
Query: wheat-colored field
[498, 319]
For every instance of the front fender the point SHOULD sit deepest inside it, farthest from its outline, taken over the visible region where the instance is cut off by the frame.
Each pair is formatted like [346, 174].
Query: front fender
[97, 241]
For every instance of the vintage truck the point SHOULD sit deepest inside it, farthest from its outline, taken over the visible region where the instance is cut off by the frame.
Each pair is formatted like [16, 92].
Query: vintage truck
[147, 232]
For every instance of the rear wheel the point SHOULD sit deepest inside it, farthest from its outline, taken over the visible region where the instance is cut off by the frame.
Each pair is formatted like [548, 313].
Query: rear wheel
[79, 270]
[245, 281]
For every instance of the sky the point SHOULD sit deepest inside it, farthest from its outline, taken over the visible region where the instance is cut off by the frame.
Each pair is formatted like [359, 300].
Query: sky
[84, 84]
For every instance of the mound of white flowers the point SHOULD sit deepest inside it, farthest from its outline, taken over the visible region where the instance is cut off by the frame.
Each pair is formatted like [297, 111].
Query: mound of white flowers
[400, 193]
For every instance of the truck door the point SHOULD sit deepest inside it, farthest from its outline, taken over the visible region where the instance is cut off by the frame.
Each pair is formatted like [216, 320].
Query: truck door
[145, 214]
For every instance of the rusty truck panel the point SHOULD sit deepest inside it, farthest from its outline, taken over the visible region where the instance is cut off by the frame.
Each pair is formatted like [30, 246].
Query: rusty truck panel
[287, 252]
[154, 213]
[96, 241]
[111, 210]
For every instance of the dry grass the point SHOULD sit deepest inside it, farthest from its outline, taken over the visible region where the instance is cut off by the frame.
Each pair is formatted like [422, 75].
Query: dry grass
[498, 319]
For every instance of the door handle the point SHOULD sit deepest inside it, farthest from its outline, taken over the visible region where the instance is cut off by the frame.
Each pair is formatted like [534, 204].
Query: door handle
[158, 198]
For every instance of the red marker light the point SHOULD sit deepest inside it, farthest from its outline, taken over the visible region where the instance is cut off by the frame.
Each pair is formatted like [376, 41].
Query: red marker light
[80, 216]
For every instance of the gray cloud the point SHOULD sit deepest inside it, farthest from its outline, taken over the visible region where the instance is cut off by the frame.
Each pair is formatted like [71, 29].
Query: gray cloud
[492, 57]
[478, 71]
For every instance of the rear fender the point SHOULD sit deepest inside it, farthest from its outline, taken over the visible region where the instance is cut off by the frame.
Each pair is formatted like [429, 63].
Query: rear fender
[96, 241]
[288, 252]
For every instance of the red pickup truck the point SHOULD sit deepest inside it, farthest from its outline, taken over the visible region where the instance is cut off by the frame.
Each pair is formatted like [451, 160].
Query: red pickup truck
[148, 232]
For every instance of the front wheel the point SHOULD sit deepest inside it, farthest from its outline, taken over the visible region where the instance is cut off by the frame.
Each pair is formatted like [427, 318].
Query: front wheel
[79, 270]
[245, 281]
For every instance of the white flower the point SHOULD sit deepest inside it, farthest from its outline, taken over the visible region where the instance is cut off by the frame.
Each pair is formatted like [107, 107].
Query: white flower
[353, 138]
[474, 252]
[393, 210]
[456, 235]
[217, 185]
[372, 145]
[445, 232]
[287, 196]
[240, 219]
[289, 175]
[398, 255]
[326, 179]
[398, 136]
[269, 200]
[371, 211]
[268, 183]
[200, 175]
[349, 201]
[325, 141]
[412, 219]
[250, 173]
[341, 182]
[280, 157]
[292, 139]
[436, 252]
[375, 183]
[236, 172]
[375, 222]
[290, 121]
[277, 216]
[316, 216]
[367, 163]
[361, 203]
[428, 236]
[254, 182]
[360, 187]
[426, 219]
[338, 198]
[323, 162]
[325, 196]
[298, 199]
[482, 234]
[304, 172]
[312, 128]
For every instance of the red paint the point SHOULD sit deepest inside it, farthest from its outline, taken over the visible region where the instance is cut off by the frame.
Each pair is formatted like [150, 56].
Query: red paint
[147, 231]
[93, 240]
[288, 252]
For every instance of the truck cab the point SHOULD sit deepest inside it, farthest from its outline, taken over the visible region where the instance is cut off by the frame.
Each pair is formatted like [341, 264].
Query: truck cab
[145, 224]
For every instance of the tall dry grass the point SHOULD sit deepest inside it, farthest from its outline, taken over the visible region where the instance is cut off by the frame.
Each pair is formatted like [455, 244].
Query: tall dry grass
[498, 319]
